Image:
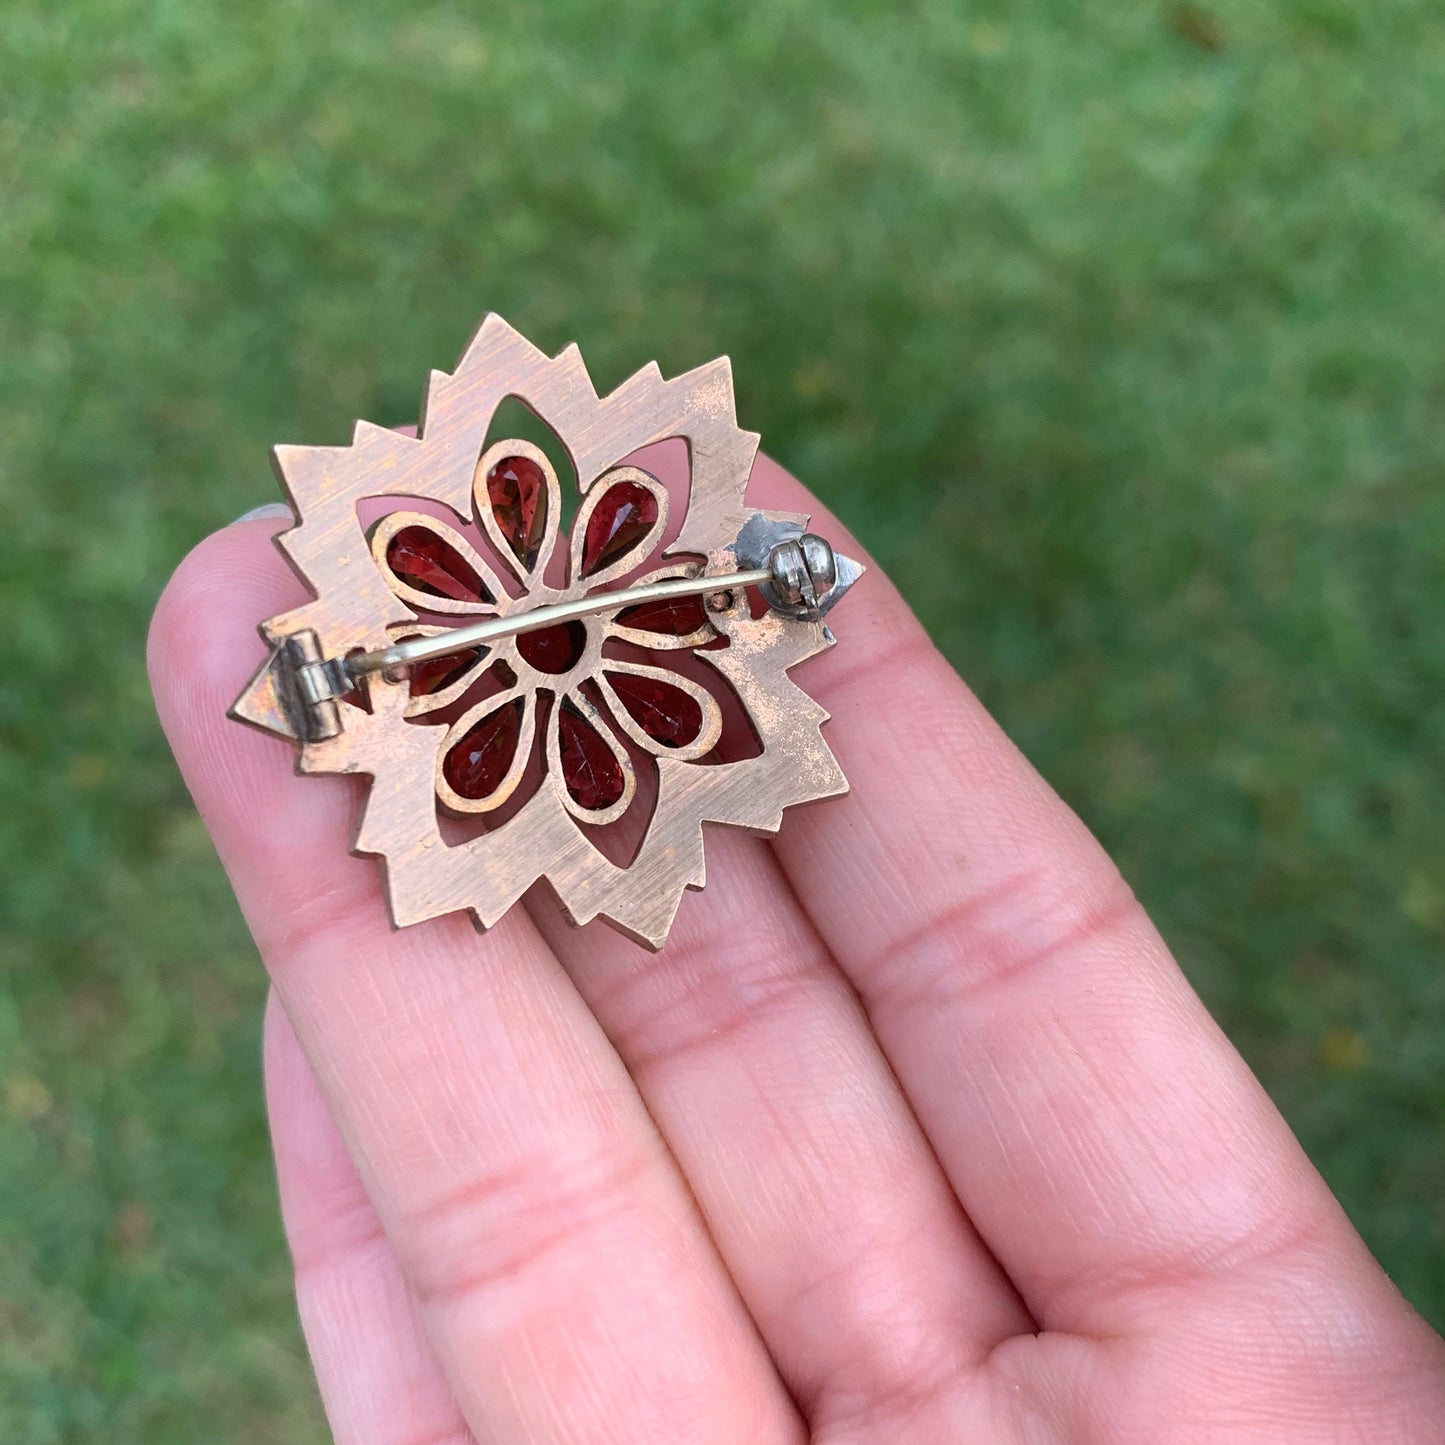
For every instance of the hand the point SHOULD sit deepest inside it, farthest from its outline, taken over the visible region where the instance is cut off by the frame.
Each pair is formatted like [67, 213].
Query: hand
[913, 1132]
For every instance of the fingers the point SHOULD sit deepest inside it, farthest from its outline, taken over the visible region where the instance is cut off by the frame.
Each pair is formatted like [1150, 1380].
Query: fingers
[755, 1059]
[1098, 1128]
[378, 1376]
[562, 1275]
[758, 1064]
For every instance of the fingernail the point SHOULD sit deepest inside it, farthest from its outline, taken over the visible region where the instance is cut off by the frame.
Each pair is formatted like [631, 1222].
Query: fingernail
[272, 511]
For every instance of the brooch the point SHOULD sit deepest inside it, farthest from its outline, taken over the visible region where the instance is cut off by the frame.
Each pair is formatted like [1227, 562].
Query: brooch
[537, 702]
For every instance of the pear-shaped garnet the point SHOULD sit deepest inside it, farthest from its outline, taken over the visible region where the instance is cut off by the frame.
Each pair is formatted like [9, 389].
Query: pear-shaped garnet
[553, 649]
[517, 490]
[667, 714]
[625, 513]
[435, 673]
[590, 769]
[475, 766]
[673, 616]
[428, 562]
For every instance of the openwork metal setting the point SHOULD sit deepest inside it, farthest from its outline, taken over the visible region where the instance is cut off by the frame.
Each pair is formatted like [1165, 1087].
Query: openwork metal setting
[547, 657]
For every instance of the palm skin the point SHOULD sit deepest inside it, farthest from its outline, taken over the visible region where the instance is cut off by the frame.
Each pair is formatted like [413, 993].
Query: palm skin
[913, 1131]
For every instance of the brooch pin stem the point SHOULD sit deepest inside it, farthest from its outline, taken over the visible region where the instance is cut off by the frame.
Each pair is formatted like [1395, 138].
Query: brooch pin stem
[495, 629]
[800, 573]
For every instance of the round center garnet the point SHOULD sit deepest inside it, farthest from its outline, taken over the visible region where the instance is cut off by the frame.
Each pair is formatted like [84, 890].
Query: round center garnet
[553, 649]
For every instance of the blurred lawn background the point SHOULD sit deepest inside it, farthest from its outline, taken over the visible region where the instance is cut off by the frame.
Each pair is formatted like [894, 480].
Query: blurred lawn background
[1116, 329]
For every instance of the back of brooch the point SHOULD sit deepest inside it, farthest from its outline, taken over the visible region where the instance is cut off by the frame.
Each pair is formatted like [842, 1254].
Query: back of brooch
[537, 705]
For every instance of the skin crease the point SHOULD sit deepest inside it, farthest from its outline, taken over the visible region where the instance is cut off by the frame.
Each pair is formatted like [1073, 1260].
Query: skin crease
[914, 1131]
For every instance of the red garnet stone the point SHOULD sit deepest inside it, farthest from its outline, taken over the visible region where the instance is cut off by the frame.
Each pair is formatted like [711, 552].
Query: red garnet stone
[475, 766]
[589, 767]
[667, 714]
[675, 616]
[424, 561]
[623, 516]
[435, 673]
[517, 490]
[553, 649]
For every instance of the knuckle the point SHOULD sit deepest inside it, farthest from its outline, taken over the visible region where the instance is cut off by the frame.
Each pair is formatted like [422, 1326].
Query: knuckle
[318, 922]
[1027, 920]
[344, 1236]
[880, 1389]
[507, 1226]
[705, 997]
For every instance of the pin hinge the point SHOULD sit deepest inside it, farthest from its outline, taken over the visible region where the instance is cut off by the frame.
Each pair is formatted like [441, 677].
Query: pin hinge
[307, 687]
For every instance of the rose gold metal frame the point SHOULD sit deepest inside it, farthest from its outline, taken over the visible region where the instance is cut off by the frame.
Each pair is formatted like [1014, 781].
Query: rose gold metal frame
[354, 610]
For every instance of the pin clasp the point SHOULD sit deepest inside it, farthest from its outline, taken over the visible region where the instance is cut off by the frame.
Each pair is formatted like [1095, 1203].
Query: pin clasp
[798, 573]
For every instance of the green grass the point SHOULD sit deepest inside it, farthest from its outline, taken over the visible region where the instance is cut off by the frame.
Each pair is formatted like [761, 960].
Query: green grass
[1115, 329]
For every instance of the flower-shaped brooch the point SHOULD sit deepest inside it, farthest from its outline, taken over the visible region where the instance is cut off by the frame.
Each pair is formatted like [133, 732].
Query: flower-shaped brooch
[534, 702]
